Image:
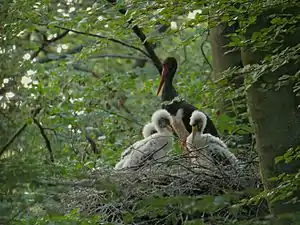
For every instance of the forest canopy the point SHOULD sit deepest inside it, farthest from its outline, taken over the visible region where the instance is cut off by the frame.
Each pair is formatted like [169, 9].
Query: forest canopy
[79, 81]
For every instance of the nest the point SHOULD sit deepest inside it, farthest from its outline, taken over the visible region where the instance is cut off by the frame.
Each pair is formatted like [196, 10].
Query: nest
[159, 194]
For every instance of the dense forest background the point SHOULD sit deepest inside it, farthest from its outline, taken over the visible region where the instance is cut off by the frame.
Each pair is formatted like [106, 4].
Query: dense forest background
[79, 79]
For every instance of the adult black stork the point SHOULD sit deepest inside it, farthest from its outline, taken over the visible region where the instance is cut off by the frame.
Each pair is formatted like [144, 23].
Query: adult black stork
[172, 102]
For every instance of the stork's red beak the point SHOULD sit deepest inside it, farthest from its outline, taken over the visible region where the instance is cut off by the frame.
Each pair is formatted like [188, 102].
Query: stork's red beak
[163, 77]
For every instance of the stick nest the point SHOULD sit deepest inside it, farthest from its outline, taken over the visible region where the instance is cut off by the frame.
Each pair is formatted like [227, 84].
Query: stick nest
[160, 193]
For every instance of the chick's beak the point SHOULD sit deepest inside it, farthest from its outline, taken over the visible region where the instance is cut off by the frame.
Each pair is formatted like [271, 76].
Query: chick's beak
[194, 131]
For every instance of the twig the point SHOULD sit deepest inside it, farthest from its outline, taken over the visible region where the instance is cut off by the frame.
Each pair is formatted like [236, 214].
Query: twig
[117, 56]
[92, 143]
[48, 144]
[202, 51]
[62, 56]
[149, 48]
[235, 132]
[76, 66]
[19, 131]
[55, 132]
[46, 42]
[185, 55]
[12, 139]
[82, 183]
[35, 54]
[60, 36]
[104, 37]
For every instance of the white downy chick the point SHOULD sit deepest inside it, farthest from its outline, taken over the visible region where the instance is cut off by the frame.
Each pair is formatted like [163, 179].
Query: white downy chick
[154, 147]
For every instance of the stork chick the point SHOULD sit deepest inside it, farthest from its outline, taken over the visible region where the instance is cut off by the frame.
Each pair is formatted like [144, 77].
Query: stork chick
[156, 146]
[148, 130]
[205, 149]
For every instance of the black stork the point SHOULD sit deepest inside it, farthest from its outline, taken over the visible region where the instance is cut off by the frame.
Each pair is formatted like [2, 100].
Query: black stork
[172, 102]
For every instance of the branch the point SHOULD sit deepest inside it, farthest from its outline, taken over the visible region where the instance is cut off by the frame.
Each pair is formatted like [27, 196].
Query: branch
[107, 38]
[151, 53]
[62, 56]
[185, 55]
[81, 183]
[11, 140]
[117, 56]
[79, 48]
[35, 54]
[148, 47]
[92, 143]
[48, 144]
[46, 42]
[202, 51]
[76, 66]
[141, 63]
[60, 36]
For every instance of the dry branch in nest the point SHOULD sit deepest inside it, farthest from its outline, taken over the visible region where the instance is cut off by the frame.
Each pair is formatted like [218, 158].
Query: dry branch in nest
[156, 193]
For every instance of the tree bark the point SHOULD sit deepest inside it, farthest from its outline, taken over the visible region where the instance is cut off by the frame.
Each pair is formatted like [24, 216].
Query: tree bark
[221, 60]
[219, 41]
[276, 119]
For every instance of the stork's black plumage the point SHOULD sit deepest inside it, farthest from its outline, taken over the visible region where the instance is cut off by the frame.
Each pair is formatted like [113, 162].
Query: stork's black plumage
[169, 94]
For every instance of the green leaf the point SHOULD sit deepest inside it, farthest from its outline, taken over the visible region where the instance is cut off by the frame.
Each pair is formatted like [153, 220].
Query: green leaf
[127, 218]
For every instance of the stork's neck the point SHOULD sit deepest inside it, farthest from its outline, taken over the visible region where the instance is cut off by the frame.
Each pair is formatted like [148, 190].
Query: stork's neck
[196, 140]
[202, 130]
[169, 92]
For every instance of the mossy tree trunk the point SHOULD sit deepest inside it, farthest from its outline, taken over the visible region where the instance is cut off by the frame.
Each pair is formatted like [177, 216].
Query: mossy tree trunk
[276, 118]
[219, 41]
[224, 57]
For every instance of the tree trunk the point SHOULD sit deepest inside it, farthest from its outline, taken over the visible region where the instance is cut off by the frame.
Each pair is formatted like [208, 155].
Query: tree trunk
[276, 120]
[221, 61]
